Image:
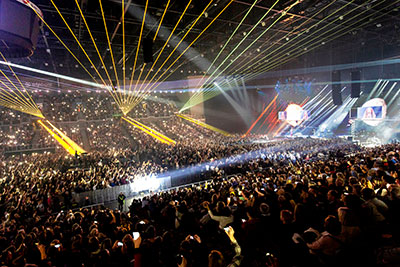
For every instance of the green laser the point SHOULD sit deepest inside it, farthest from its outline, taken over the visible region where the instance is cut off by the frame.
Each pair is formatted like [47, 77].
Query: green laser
[283, 13]
[242, 40]
[330, 37]
[191, 102]
[287, 35]
[319, 36]
[229, 39]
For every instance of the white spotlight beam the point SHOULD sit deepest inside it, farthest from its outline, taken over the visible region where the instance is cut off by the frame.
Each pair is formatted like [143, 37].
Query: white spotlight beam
[390, 90]
[378, 83]
[338, 116]
[385, 83]
[393, 98]
[242, 112]
[52, 74]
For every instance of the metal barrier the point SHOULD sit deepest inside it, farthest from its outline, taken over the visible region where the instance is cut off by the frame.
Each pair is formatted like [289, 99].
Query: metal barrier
[139, 186]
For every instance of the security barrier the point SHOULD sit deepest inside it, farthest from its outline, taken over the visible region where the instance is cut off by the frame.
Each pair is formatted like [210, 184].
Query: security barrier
[139, 186]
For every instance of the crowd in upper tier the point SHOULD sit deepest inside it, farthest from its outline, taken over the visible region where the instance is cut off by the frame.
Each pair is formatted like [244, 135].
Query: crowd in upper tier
[299, 202]
[20, 131]
[97, 105]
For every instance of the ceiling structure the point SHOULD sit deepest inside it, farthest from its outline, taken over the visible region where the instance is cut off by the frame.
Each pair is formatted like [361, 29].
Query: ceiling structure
[270, 27]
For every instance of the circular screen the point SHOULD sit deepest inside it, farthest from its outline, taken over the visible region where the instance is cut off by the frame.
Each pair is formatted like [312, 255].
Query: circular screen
[373, 112]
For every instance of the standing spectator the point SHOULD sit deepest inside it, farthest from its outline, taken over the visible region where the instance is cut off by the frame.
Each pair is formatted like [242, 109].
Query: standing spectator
[121, 201]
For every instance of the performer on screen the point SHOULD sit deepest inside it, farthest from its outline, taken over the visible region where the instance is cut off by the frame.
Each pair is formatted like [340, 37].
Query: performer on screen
[369, 113]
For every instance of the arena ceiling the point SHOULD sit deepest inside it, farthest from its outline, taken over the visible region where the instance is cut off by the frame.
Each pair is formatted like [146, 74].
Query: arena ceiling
[346, 24]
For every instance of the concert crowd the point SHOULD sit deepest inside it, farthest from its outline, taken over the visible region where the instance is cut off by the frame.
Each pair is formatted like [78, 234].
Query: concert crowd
[289, 202]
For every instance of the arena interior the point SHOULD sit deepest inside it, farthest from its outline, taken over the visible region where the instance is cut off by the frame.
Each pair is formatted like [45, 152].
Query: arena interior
[199, 133]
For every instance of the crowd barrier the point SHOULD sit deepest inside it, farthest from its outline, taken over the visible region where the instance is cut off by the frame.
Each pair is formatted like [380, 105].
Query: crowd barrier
[138, 187]
[27, 150]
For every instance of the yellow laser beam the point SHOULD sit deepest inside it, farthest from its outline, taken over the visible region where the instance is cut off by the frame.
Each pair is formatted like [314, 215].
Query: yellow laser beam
[61, 41]
[7, 96]
[22, 85]
[166, 77]
[136, 56]
[19, 96]
[200, 34]
[67, 147]
[177, 45]
[283, 13]
[165, 44]
[123, 47]
[153, 131]
[84, 52]
[16, 101]
[278, 61]
[70, 142]
[94, 43]
[110, 47]
[195, 98]
[162, 18]
[72, 54]
[202, 124]
[133, 96]
[146, 131]
[227, 42]
[7, 104]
